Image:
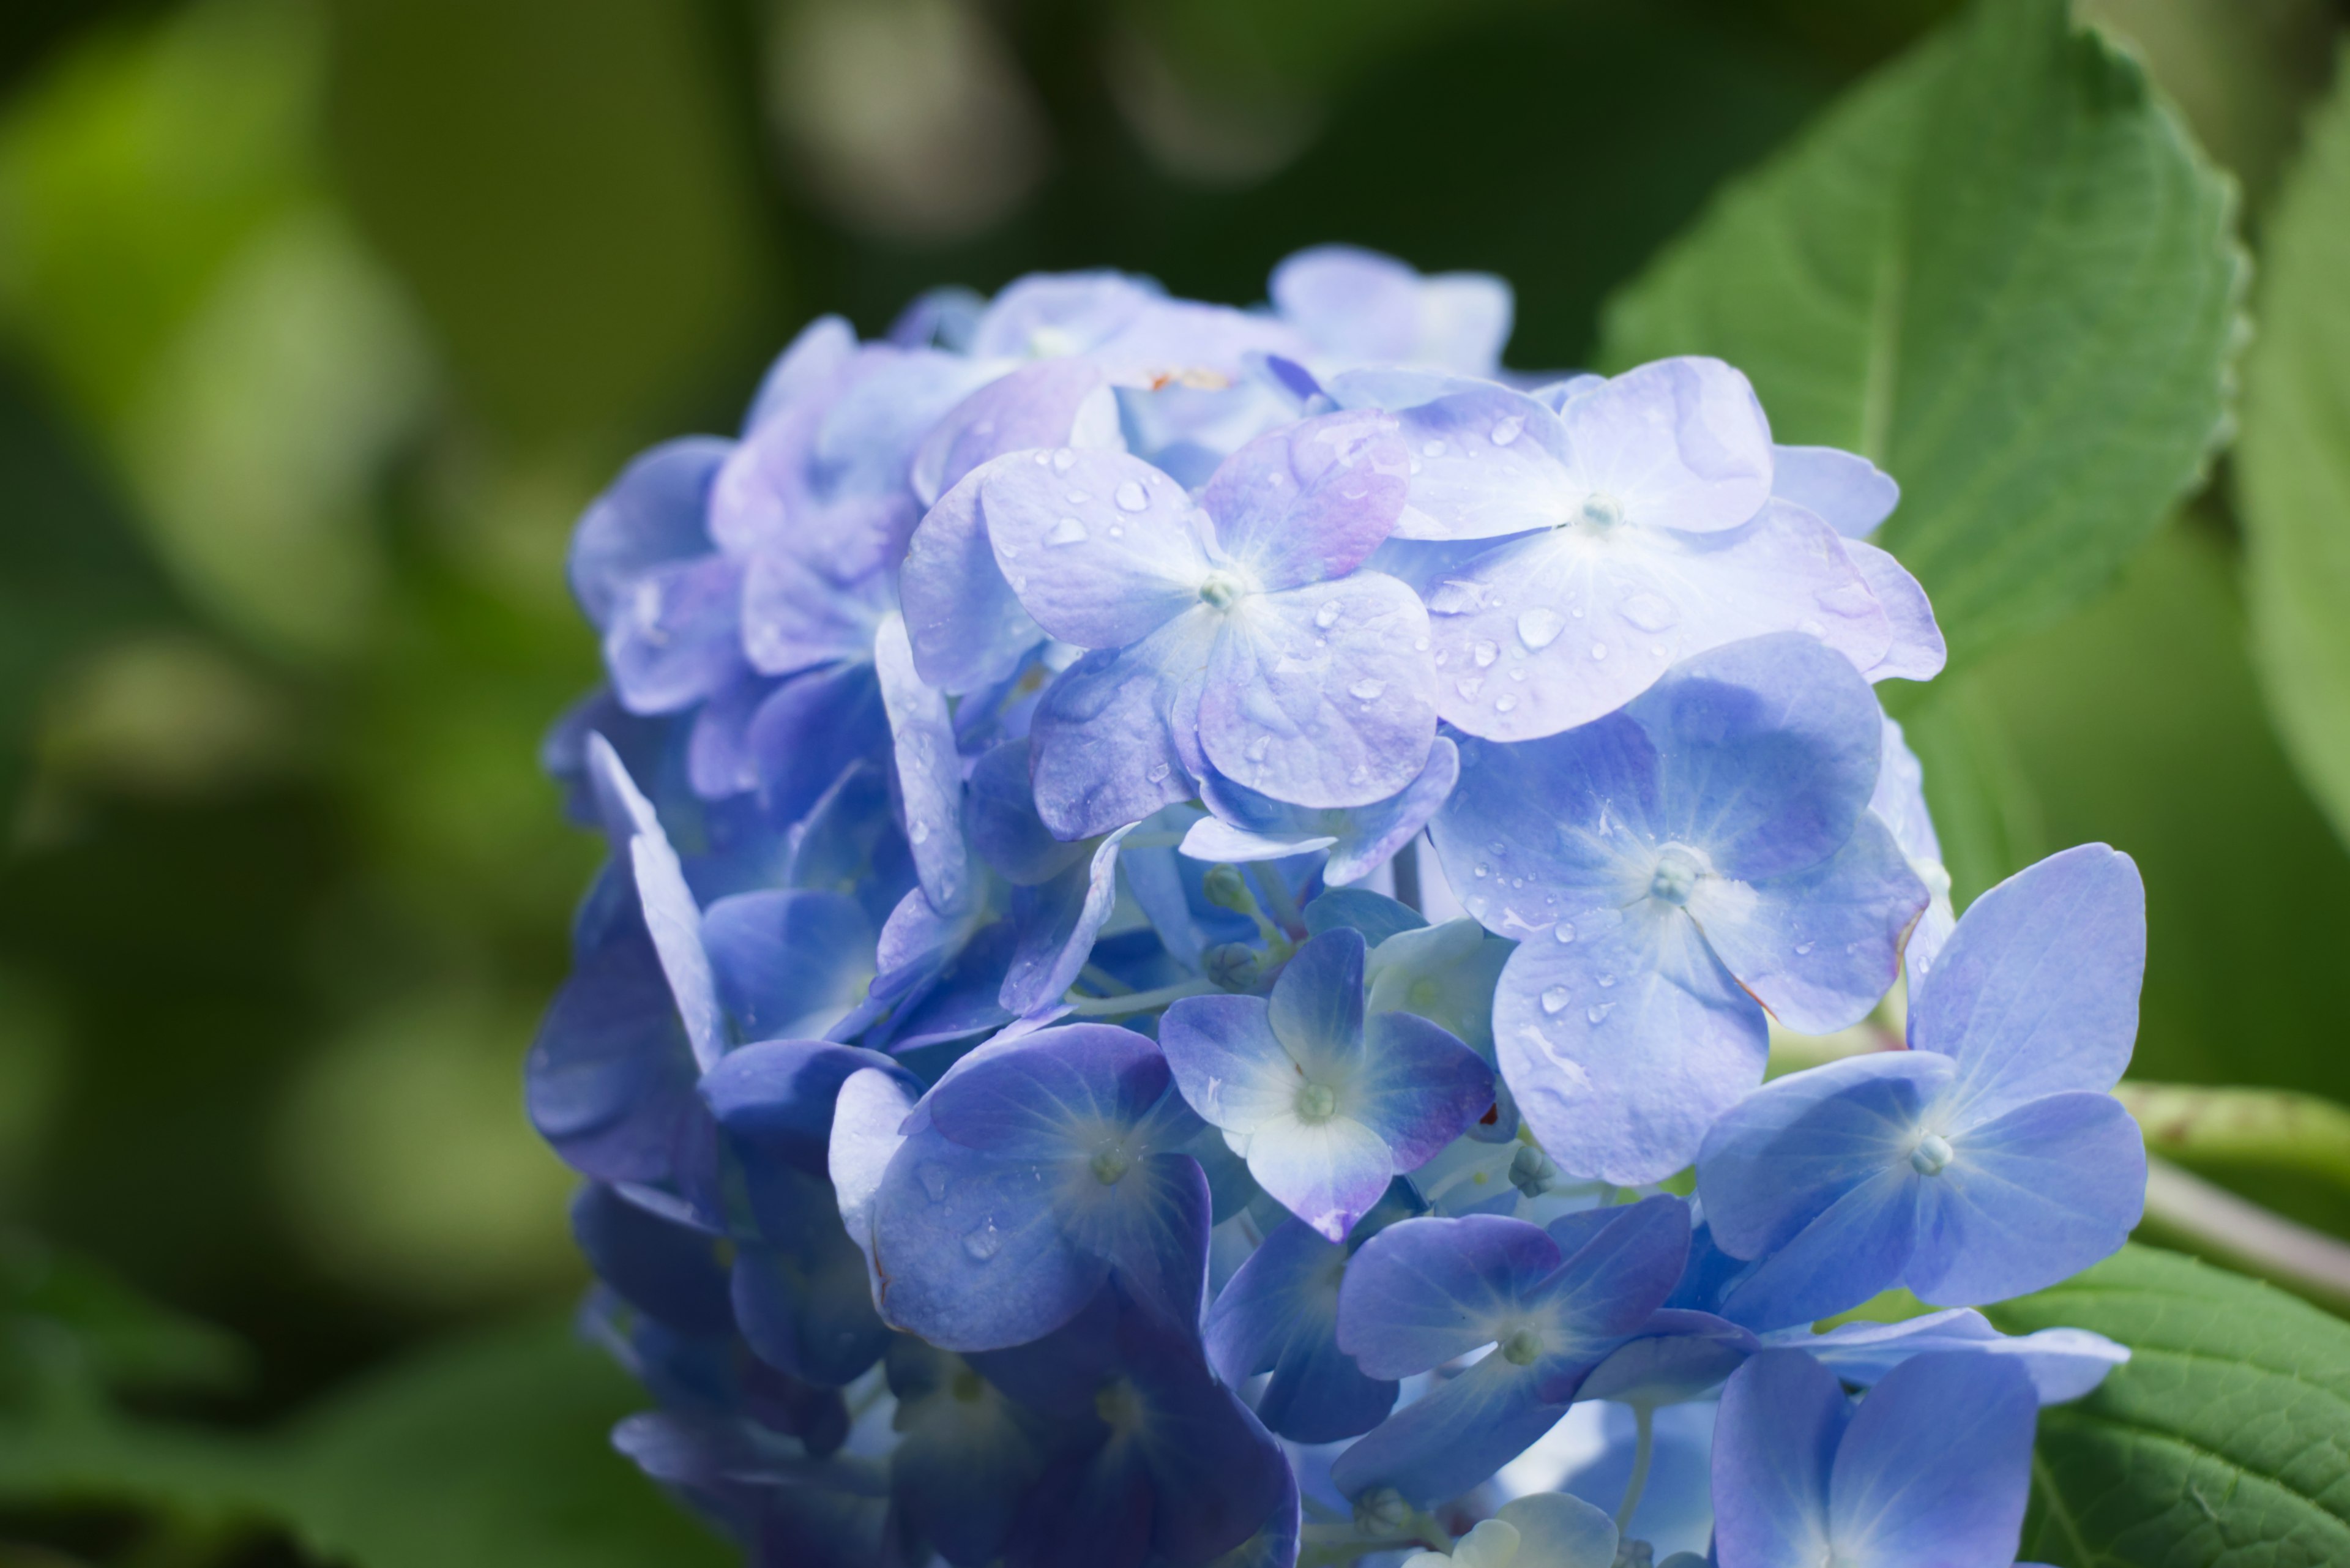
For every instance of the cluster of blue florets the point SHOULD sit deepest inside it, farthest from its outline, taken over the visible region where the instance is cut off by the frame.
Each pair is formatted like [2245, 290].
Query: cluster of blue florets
[1036, 1110]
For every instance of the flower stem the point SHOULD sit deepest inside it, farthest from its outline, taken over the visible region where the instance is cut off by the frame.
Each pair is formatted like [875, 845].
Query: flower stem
[1136, 1002]
[1644, 1450]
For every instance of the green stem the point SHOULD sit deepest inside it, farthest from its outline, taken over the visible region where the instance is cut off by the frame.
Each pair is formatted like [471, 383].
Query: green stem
[1284, 905]
[1644, 1451]
[1102, 980]
[2216, 1221]
[2274, 1128]
[1138, 1002]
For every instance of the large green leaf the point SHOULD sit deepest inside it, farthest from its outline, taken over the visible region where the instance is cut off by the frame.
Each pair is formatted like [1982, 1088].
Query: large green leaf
[2220, 1444]
[2293, 466]
[2000, 267]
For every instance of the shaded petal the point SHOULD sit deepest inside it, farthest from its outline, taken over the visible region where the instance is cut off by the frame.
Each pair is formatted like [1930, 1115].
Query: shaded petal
[1092, 566]
[1775, 1449]
[1057, 922]
[609, 1080]
[1677, 443]
[1310, 501]
[1151, 1227]
[1230, 1064]
[2032, 1197]
[2062, 1363]
[929, 770]
[1817, 947]
[2037, 989]
[1424, 1291]
[1486, 462]
[1770, 750]
[1844, 489]
[658, 1267]
[811, 729]
[1374, 833]
[1005, 828]
[791, 963]
[1376, 915]
[774, 1099]
[820, 351]
[967, 626]
[1443, 974]
[806, 1306]
[1613, 1282]
[798, 613]
[1899, 803]
[654, 514]
[1022, 1279]
[1936, 1464]
[1460, 1433]
[1053, 403]
[1419, 1088]
[1105, 753]
[1677, 1356]
[1322, 695]
[1623, 1045]
[674, 636]
[677, 928]
[1574, 816]
[1279, 1315]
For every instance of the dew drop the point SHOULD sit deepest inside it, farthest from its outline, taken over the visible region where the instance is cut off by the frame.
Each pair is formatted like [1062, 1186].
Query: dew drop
[1327, 616]
[1605, 980]
[1431, 449]
[1483, 869]
[1596, 1013]
[1485, 653]
[1159, 772]
[1132, 497]
[1365, 691]
[1598, 651]
[1538, 628]
[1064, 459]
[1078, 498]
[1507, 430]
[1555, 998]
[1562, 933]
[920, 832]
[1067, 531]
[1802, 950]
[1258, 747]
[1649, 612]
[1811, 628]
[1419, 645]
[984, 1242]
[1504, 702]
[1468, 685]
[933, 1177]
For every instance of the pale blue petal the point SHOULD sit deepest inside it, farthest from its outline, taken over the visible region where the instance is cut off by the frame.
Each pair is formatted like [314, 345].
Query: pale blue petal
[1309, 502]
[1677, 443]
[2032, 1197]
[1374, 833]
[790, 962]
[1623, 1045]
[653, 515]
[799, 613]
[1677, 1356]
[1101, 548]
[674, 636]
[967, 626]
[1486, 462]
[1454, 1436]
[872, 1107]
[930, 770]
[1049, 314]
[2064, 1363]
[1358, 305]
[1850, 493]
[2037, 989]
[822, 348]
[1329, 1173]
[1230, 1067]
[1423, 1291]
[1322, 695]
[1317, 1005]
[1936, 1465]
[1220, 843]
[676, 926]
[1445, 974]
[1105, 752]
[1916, 651]
[1555, 1531]
[1562, 824]
[1005, 828]
[1419, 1087]
[1057, 922]
[1775, 1450]
[811, 729]
[1056, 403]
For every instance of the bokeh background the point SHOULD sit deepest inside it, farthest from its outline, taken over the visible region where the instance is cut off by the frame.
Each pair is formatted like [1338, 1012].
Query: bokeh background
[320, 320]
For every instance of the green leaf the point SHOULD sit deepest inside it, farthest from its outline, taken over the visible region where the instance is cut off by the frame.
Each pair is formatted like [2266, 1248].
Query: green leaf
[2221, 1443]
[2293, 466]
[2001, 268]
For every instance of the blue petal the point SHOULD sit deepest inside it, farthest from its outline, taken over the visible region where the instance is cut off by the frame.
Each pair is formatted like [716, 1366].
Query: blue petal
[966, 624]
[1936, 1464]
[1101, 548]
[1057, 402]
[1322, 695]
[611, 1078]
[811, 729]
[1677, 1357]
[1061, 1091]
[775, 1098]
[720, 761]
[674, 636]
[1844, 488]
[1231, 1067]
[1623, 1045]
[2062, 1363]
[1899, 803]
[1554, 825]
[1917, 651]
[1677, 443]
[1854, 1249]
[802, 1300]
[930, 770]
[2032, 1197]
[871, 1108]
[1317, 1006]
[1423, 1291]
[1612, 1284]
[1056, 922]
[1047, 315]
[658, 1267]
[676, 926]
[1311, 500]
[2037, 989]
[799, 613]
[1375, 833]
[1460, 1433]
[655, 514]
[965, 1454]
[1005, 828]
[1419, 1088]
[1358, 305]
[1152, 1226]
[791, 962]
[810, 361]
[1820, 947]
[1375, 915]
[1105, 752]
[1488, 462]
[1774, 1447]
[1328, 1172]
[1279, 1315]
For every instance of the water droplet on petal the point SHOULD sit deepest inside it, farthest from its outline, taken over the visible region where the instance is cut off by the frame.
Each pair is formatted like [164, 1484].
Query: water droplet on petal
[933, 1177]
[1850, 600]
[1132, 497]
[1067, 531]
[1258, 747]
[1555, 998]
[1598, 651]
[1802, 950]
[1483, 869]
[1078, 498]
[1327, 616]
[1419, 645]
[1507, 430]
[1563, 933]
[920, 832]
[1504, 702]
[984, 1242]
[1159, 772]
[1468, 685]
[1431, 449]
[1649, 612]
[1485, 653]
[1811, 628]
[1064, 459]
[1599, 1012]
[1365, 691]
[1605, 980]
[1540, 627]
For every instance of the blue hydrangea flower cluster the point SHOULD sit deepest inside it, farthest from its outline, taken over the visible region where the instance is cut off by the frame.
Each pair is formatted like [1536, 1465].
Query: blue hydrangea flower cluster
[1033, 1107]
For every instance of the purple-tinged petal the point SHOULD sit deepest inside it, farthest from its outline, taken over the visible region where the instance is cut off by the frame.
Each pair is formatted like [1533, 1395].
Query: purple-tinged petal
[1356, 304]
[1020, 1279]
[654, 514]
[1677, 443]
[2036, 991]
[1222, 843]
[1419, 1087]
[718, 761]
[811, 729]
[967, 626]
[674, 636]
[1487, 461]
[1050, 315]
[1624, 1045]
[1677, 1356]
[1056, 403]
[799, 614]
[930, 770]
[1844, 489]
[1005, 828]
[1101, 548]
[1899, 803]
[1279, 1315]
[791, 962]
[1311, 500]
[1323, 695]
[960, 998]
[658, 1267]
[2064, 1363]
[1423, 1291]
[2032, 1196]
[677, 928]
[1936, 1465]
[820, 352]
[611, 1075]
[1818, 948]
[774, 1099]
[1613, 1280]
[1453, 1438]
[1056, 922]
[1917, 651]
[1152, 1226]
[1062, 1091]
[1229, 1066]
[1774, 1449]
[1105, 751]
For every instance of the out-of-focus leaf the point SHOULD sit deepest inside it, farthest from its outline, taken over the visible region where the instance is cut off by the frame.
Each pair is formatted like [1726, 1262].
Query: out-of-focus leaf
[2293, 464]
[555, 180]
[65, 1321]
[2001, 268]
[2219, 1443]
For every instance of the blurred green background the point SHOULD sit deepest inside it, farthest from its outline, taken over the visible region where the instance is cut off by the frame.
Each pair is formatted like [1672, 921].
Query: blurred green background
[320, 319]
